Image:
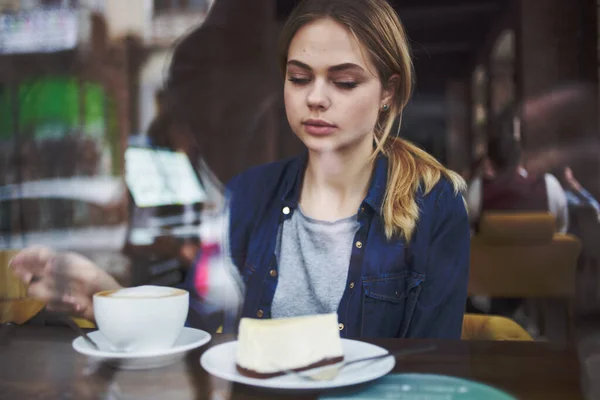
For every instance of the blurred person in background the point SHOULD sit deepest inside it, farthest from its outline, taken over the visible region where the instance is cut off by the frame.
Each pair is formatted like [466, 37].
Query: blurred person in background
[513, 188]
[363, 221]
[480, 168]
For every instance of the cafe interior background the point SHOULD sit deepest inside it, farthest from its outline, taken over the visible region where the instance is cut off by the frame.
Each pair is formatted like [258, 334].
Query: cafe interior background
[81, 85]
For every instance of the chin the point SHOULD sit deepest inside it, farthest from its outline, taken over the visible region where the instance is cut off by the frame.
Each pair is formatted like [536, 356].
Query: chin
[320, 144]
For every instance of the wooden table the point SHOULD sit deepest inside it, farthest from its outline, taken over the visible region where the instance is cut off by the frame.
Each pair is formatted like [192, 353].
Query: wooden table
[39, 363]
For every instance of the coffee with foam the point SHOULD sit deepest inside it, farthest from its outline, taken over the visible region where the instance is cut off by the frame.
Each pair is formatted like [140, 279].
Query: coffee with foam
[147, 291]
[141, 319]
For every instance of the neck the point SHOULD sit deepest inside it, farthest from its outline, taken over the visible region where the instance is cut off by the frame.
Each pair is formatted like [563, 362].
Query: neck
[335, 183]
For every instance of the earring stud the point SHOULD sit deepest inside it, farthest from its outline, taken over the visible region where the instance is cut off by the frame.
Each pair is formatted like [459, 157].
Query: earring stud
[385, 107]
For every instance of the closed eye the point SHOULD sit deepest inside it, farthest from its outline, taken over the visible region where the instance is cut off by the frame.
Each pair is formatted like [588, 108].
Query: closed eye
[346, 85]
[299, 81]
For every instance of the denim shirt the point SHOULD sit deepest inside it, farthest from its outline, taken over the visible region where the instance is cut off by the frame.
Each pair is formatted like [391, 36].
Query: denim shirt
[393, 288]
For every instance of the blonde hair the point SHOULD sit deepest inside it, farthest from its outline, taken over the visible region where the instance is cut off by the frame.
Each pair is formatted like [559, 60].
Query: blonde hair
[376, 25]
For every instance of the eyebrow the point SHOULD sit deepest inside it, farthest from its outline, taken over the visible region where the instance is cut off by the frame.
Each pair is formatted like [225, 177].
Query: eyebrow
[335, 68]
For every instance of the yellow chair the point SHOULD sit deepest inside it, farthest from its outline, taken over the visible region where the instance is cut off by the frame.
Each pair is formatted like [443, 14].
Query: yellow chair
[15, 305]
[19, 311]
[487, 327]
[520, 255]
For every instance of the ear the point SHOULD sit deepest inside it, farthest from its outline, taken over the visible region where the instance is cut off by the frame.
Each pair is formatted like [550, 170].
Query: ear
[389, 90]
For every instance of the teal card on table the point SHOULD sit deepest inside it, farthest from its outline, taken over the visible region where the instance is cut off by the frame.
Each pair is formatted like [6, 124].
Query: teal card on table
[422, 387]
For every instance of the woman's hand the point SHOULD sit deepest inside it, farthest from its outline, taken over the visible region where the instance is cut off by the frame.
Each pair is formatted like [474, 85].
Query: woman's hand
[65, 281]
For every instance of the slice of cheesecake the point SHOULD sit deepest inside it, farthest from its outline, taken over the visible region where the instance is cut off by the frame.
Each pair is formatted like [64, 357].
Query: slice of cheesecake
[268, 347]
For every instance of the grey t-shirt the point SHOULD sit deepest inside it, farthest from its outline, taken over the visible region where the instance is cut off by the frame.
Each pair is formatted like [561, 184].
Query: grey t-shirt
[313, 258]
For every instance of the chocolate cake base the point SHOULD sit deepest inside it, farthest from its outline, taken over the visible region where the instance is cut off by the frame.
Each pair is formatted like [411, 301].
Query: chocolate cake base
[257, 375]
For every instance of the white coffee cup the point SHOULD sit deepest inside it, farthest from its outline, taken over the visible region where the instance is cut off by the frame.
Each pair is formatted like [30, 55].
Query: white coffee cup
[141, 319]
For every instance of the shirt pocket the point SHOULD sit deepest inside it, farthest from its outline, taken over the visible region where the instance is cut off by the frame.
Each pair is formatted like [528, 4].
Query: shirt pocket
[388, 303]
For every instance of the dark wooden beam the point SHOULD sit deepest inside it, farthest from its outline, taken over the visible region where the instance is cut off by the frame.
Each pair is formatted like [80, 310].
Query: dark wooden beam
[448, 12]
[472, 31]
[415, 4]
[432, 71]
[432, 49]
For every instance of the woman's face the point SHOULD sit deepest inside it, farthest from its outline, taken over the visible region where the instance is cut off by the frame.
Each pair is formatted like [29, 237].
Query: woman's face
[332, 95]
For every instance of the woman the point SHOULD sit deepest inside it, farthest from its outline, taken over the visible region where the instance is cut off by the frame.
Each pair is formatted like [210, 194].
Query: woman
[363, 223]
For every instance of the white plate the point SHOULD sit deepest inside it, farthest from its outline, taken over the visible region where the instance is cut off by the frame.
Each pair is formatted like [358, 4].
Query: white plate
[220, 362]
[188, 339]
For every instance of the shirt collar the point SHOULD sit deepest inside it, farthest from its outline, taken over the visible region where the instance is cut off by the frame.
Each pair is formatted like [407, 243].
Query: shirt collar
[378, 185]
[293, 183]
[375, 194]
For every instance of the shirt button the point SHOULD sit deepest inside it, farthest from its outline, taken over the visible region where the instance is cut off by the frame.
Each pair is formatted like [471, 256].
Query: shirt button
[351, 285]
[273, 273]
[359, 245]
[362, 209]
[286, 210]
[260, 313]
[341, 327]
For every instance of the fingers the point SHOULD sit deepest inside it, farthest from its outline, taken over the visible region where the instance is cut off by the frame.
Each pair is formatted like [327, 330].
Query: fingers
[42, 264]
[68, 304]
[43, 290]
[49, 290]
[30, 263]
[64, 281]
[77, 306]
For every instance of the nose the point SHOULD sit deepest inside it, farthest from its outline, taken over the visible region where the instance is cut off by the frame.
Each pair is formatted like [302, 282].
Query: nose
[317, 97]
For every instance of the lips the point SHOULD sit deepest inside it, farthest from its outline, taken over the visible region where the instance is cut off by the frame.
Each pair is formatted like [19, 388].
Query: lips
[318, 127]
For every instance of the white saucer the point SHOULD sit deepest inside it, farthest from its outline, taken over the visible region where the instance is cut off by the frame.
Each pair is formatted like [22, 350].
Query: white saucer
[189, 339]
[220, 362]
